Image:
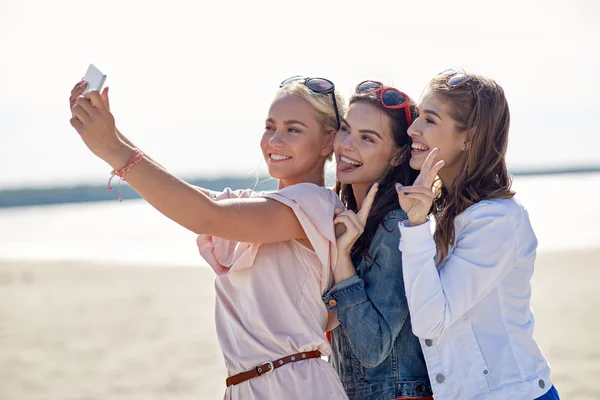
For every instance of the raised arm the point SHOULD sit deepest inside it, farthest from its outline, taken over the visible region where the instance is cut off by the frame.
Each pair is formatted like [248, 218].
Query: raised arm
[373, 310]
[128, 142]
[234, 219]
[76, 92]
[485, 252]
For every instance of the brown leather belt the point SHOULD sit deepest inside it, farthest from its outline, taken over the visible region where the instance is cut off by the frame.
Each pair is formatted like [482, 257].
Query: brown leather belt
[270, 366]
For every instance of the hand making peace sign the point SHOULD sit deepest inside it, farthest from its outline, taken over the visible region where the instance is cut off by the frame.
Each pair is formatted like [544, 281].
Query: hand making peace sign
[416, 200]
[353, 222]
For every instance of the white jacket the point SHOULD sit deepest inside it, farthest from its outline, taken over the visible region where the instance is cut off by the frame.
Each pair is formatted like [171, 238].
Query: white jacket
[472, 312]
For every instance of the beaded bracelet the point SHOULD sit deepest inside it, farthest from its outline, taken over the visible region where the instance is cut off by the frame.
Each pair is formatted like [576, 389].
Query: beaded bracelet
[136, 157]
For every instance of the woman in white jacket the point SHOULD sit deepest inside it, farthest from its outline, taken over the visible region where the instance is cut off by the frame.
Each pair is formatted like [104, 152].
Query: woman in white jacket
[468, 285]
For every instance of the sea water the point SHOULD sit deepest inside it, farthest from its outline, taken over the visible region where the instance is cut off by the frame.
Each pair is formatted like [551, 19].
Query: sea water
[563, 210]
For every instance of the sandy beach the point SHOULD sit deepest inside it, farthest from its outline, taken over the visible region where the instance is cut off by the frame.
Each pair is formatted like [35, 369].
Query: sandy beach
[94, 331]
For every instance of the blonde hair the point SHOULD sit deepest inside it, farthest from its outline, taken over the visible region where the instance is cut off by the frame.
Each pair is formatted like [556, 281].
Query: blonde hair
[321, 103]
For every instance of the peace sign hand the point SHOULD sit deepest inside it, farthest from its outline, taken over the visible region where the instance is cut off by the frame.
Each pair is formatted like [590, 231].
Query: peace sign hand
[416, 200]
[354, 224]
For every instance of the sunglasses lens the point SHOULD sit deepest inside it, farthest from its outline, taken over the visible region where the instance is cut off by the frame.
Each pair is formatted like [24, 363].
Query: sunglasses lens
[368, 86]
[319, 85]
[458, 79]
[392, 98]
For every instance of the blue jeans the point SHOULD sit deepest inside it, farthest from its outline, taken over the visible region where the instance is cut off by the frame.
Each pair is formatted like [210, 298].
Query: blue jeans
[552, 394]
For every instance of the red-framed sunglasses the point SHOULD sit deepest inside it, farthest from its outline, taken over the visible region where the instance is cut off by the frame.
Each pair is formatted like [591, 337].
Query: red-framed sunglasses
[390, 97]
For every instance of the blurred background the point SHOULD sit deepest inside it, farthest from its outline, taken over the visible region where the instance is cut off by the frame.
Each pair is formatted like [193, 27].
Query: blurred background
[108, 300]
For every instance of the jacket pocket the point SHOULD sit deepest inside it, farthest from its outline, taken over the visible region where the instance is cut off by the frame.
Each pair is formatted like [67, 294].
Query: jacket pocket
[344, 361]
[358, 371]
[469, 360]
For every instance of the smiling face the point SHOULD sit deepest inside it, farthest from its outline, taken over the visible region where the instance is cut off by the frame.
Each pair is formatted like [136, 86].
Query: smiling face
[294, 145]
[435, 128]
[364, 146]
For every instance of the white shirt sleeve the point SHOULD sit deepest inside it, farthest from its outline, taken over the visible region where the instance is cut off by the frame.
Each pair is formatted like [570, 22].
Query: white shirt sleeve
[485, 251]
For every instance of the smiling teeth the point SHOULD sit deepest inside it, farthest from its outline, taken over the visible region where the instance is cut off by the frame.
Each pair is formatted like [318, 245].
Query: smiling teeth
[349, 161]
[419, 147]
[278, 157]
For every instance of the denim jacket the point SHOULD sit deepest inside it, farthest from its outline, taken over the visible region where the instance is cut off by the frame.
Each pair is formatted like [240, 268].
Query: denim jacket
[375, 352]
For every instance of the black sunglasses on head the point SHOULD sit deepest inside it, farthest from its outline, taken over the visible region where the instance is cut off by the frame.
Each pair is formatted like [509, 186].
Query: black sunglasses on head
[317, 85]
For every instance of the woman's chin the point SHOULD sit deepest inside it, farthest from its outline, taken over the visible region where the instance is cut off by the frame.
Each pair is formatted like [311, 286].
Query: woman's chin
[277, 173]
[346, 180]
[415, 164]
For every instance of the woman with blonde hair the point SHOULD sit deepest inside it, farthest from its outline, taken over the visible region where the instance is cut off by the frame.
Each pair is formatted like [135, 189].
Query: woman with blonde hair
[272, 252]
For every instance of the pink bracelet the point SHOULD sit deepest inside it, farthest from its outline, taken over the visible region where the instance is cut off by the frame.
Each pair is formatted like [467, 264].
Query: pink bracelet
[136, 157]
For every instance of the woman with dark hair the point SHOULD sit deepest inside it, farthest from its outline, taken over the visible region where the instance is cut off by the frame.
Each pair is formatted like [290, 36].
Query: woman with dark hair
[468, 285]
[373, 349]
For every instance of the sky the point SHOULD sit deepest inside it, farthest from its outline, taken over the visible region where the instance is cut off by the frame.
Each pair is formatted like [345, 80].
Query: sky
[191, 82]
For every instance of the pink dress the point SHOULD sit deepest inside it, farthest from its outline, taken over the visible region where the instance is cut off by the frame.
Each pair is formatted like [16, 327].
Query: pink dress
[269, 303]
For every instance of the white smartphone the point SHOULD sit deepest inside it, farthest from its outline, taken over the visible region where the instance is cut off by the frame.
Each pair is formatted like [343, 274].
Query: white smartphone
[94, 78]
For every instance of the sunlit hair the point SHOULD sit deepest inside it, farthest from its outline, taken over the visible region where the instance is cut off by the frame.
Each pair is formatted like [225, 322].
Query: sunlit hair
[386, 199]
[480, 109]
[321, 103]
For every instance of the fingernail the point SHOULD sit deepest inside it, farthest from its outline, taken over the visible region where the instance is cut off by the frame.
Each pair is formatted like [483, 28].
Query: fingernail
[437, 149]
[398, 187]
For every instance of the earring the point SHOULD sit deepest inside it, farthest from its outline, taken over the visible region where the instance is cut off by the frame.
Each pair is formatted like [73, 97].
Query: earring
[464, 146]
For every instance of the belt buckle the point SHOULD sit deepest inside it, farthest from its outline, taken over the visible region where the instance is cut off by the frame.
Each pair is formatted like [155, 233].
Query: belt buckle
[268, 364]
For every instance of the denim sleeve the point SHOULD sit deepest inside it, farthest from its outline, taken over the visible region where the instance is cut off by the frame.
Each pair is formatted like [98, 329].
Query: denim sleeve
[373, 308]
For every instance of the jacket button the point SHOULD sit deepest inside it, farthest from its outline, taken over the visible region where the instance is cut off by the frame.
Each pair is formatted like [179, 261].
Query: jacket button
[439, 378]
[542, 383]
[332, 303]
[485, 372]
[428, 342]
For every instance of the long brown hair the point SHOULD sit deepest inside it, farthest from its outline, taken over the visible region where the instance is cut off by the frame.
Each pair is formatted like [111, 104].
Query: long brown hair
[386, 198]
[479, 107]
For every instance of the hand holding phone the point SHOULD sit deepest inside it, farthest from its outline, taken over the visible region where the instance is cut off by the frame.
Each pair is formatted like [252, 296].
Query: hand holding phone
[94, 78]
